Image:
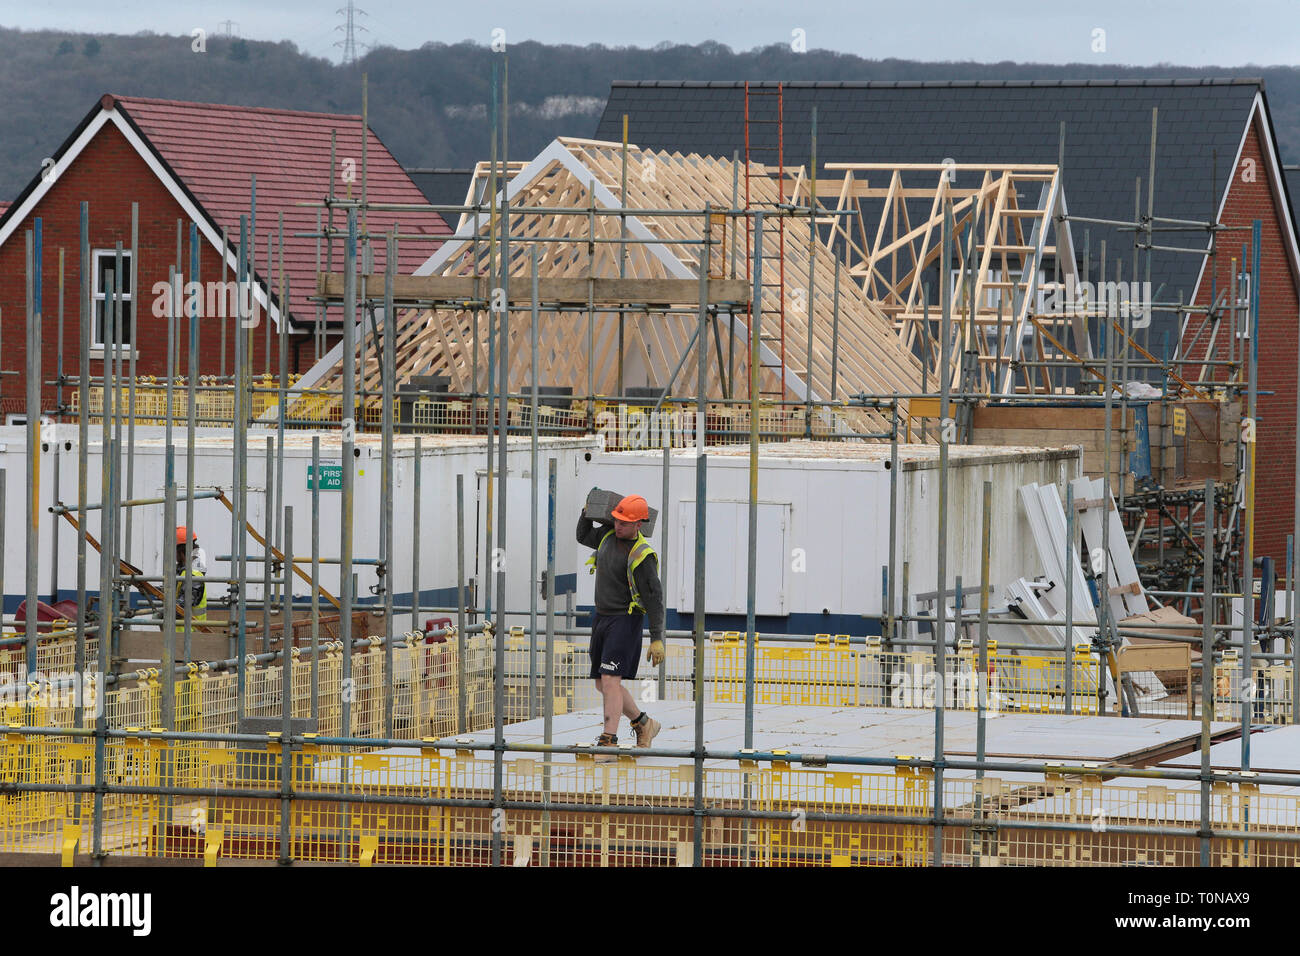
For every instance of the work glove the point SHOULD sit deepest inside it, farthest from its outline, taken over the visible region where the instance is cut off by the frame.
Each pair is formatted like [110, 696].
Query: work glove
[655, 653]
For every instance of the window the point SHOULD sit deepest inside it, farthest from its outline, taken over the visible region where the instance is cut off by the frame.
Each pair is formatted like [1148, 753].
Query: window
[1241, 316]
[105, 279]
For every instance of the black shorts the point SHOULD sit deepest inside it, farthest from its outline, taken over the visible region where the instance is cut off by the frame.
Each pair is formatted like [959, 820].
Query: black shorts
[615, 645]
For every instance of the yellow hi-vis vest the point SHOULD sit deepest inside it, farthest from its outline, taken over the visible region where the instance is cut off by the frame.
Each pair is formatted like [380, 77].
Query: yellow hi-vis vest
[641, 550]
[185, 590]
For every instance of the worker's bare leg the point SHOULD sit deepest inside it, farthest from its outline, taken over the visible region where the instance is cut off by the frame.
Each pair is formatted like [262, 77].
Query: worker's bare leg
[617, 702]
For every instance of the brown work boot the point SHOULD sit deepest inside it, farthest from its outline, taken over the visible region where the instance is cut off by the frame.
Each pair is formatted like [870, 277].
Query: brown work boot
[606, 740]
[646, 730]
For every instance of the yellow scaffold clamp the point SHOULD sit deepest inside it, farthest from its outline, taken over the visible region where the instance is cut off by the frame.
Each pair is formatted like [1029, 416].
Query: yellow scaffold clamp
[488, 629]
[369, 844]
[71, 837]
[1055, 773]
[212, 840]
[1248, 787]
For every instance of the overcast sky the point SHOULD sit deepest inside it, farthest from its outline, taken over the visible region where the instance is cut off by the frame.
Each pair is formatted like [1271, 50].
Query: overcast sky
[1136, 32]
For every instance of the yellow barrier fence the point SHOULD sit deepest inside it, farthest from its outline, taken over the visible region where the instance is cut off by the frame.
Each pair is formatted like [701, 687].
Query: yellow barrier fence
[831, 672]
[1268, 689]
[834, 673]
[623, 813]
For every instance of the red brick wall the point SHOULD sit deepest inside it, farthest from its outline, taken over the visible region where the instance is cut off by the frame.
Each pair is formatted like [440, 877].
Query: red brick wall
[110, 175]
[1278, 309]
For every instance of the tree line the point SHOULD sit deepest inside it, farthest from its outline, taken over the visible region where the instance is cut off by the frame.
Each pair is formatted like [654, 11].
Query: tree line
[430, 105]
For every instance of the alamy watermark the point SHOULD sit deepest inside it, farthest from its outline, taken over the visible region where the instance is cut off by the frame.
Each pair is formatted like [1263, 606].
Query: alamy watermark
[57, 689]
[918, 686]
[637, 429]
[214, 299]
[1116, 300]
[77, 908]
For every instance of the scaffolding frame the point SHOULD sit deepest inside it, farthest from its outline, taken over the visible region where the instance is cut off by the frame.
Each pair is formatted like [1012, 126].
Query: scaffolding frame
[493, 260]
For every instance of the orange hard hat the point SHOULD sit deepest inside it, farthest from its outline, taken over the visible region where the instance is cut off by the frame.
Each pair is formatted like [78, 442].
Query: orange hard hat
[631, 508]
[181, 533]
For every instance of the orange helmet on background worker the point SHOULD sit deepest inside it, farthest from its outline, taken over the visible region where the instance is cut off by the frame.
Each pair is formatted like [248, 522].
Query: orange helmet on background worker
[182, 533]
[631, 508]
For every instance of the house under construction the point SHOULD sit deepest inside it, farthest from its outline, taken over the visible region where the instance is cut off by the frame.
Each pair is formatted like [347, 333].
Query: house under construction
[904, 483]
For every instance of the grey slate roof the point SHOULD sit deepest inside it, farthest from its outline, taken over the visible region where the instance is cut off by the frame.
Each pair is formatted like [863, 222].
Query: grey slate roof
[1107, 139]
[442, 187]
[1292, 177]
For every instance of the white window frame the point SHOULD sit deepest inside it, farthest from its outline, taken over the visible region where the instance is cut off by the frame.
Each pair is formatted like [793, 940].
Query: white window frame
[97, 347]
[1242, 303]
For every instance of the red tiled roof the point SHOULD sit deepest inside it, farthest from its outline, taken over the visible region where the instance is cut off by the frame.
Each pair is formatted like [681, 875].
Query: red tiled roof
[215, 150]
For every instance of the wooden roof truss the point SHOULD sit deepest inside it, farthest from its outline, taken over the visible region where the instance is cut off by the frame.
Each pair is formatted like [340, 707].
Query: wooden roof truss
[886, 221]
[576, 343]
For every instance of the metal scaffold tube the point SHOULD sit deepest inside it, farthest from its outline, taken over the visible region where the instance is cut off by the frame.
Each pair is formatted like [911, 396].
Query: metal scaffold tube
[387, 551]
[33, 422]
[83, 459]
[462, 719]
[239, 451]
[982, 678]
[947, 433]
[348, 431]
[1207, 674]
[502, 436]
[701, 496]
[548, 686]
[286, 697]
[1248, 688]
[416, 456]
[191, 415]
[532, 500]
[315, 576]
[268, 531]
[751, 586]
[133, 342]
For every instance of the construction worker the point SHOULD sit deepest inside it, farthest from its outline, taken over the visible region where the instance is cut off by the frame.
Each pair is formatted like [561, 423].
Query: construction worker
[627, 588]
[191, 590]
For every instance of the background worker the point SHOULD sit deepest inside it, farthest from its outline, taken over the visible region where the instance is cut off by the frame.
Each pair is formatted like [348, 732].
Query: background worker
[191, 589]
[627, 588]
